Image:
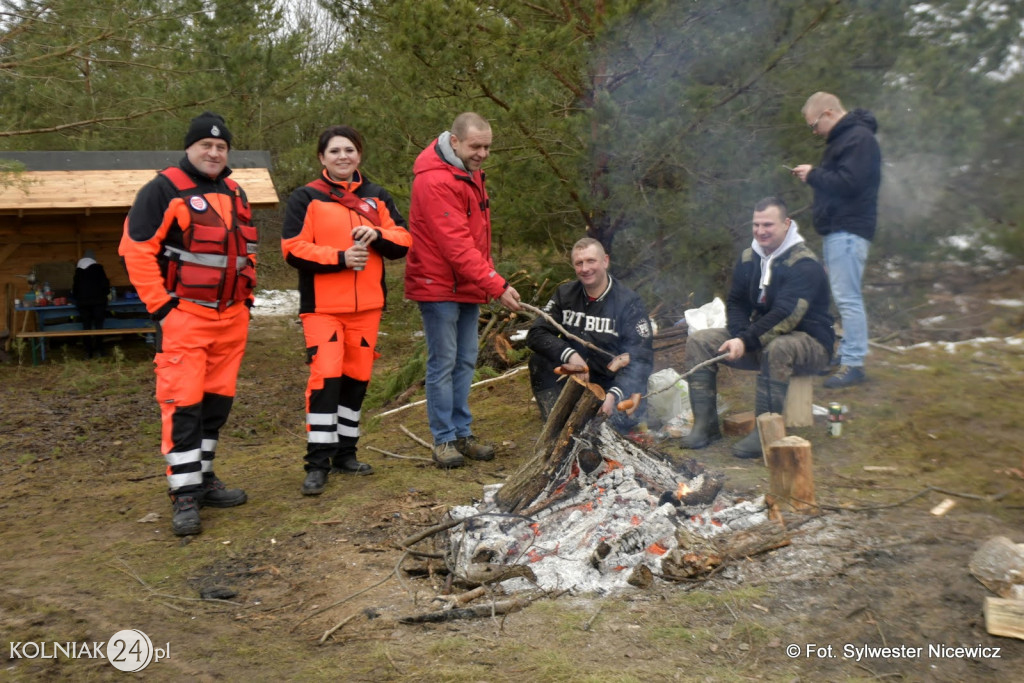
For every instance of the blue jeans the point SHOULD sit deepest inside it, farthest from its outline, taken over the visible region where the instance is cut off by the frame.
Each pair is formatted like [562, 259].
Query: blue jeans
[452, 344]
[845, 256]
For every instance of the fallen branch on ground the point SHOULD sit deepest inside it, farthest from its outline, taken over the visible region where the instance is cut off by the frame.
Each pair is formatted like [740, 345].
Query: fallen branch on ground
[506, 375]
[396, 455]
[408, 432]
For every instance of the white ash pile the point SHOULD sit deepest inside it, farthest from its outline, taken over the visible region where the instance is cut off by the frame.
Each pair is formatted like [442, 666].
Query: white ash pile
[606, 518]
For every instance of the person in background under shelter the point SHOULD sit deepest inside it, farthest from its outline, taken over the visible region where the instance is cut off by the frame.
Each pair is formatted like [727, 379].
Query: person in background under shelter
[337, 232]
[190, 249]
[89, 289]
[778, 324]
[609, 315]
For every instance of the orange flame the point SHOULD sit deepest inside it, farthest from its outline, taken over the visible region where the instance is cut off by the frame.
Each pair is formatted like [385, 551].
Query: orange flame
[682, 490]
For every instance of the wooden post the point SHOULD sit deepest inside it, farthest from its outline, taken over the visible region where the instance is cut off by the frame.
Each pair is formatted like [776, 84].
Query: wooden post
[791, 469]
[770, 427]
[799, 410]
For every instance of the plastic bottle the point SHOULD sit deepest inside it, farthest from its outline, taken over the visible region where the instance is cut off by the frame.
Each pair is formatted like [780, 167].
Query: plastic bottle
[47, 292]
[113, 294]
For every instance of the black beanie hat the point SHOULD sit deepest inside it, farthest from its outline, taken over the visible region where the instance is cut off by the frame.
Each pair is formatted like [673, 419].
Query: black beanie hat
[207, 125]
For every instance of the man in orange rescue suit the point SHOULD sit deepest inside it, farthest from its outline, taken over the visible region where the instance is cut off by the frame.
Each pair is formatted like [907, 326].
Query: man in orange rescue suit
[190, 251]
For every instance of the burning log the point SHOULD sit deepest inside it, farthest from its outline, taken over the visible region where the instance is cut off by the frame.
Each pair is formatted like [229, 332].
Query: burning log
[695, 557]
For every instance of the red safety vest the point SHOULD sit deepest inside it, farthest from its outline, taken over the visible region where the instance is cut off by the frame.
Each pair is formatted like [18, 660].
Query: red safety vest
[213, 268]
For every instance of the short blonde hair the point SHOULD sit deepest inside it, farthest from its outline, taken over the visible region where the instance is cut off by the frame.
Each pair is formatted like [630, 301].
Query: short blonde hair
[586, 242]
[820, 101]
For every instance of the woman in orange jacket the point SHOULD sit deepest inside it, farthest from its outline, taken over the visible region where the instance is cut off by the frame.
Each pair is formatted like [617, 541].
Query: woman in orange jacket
[337, 232]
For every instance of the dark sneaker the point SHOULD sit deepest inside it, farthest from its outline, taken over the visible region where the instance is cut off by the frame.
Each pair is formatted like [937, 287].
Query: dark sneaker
[473, 449]
[447, 456]
[831, 367]
[215, 494]
[315, 482]
[185, 520]
[846, 376]
[347, 464]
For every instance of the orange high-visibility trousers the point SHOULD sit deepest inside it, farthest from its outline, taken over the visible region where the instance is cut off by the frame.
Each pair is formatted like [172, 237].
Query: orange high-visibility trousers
[197, 363]
[340, 353]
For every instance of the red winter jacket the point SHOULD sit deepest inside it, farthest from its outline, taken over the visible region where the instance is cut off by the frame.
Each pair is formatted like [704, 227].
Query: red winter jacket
[450, 222]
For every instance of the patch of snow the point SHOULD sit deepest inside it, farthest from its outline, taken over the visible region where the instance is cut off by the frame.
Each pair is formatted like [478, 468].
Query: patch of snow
[1012, 303]
[270, 302]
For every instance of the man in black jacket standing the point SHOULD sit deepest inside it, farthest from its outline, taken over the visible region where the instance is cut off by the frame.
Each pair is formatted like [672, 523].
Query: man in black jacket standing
[778, 323]
[845, 212]
[605, 313]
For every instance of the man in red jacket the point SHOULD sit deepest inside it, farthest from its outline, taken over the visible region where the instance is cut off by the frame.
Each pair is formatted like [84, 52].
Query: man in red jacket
[449, 272]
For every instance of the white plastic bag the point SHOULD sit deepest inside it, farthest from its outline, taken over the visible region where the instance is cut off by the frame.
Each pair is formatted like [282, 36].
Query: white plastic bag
[710, 315]
[668, 396]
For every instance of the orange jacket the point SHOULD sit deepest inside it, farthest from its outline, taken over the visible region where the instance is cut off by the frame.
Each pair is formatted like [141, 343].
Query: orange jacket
[188, 242]
[318, 229]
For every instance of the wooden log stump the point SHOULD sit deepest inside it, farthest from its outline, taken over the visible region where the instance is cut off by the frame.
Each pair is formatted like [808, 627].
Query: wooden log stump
[791, 473]
[770, 427]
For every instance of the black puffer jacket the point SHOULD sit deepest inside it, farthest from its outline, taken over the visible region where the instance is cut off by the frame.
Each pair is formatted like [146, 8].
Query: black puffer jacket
[846, 181]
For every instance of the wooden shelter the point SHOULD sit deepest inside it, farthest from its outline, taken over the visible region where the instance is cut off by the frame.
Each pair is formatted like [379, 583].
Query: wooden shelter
[63, 203]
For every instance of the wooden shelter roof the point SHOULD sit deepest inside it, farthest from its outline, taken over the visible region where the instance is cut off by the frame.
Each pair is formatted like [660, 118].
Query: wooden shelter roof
[101, 182]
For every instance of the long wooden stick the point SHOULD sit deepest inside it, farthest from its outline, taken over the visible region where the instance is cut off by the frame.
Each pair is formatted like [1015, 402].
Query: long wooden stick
[542, 314]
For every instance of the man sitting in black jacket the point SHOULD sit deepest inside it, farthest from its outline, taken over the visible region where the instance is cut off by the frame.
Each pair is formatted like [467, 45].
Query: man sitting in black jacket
[778, 323]
[605, 313]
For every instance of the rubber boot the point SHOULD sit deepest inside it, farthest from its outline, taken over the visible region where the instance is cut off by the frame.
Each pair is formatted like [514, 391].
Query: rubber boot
[546, 399]
[704, 403]
[770, 398]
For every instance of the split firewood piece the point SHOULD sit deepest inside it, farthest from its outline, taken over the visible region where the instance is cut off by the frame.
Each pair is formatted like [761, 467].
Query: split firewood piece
[479, 574]
[770, 428]
[1004, 617]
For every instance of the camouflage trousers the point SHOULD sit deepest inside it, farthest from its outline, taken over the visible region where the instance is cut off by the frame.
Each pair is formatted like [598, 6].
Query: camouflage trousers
[796, 353]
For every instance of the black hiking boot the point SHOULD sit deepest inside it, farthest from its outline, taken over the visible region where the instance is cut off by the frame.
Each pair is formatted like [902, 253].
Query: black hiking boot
[316, 481]
[345, 463]
[215, 494]
[185, 520]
